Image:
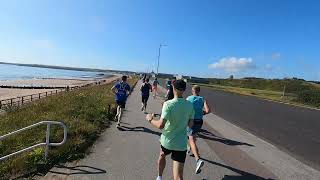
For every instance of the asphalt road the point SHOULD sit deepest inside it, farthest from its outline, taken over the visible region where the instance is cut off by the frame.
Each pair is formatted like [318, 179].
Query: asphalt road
[292, 129]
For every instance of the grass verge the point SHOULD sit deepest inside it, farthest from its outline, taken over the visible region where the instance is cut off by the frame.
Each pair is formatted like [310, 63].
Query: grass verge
[289, 98]
[84, 111]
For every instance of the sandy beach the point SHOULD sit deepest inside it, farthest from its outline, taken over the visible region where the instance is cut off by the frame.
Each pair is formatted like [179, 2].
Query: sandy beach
[6, 93]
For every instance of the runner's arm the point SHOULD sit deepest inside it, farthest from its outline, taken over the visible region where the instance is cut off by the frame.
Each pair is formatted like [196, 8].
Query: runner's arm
[113, 89]
[156, 123]
[207, 109]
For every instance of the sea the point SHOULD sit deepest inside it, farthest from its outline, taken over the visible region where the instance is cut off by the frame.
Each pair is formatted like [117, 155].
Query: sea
[14, 72]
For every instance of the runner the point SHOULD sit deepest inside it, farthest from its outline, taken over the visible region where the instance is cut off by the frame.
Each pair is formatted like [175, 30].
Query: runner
[176, 115]
[145, 92]
[121, 91]
[199, 103]
[155, 87]
[170, 94]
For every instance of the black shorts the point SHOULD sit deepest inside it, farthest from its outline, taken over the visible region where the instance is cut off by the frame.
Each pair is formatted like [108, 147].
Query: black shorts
[197, 125]
[145, 99]
[122, 104]
[179, 156]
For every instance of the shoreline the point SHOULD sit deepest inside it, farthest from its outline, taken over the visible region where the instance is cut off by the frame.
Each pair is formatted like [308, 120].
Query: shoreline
[51, 83]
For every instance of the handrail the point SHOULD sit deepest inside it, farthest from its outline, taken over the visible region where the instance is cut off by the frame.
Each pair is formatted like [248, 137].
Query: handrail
[47, 143]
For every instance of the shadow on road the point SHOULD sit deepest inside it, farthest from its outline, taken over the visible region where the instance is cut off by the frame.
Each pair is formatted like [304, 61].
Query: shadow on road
[204, 134]
[139, 129]
[243, 175]
[77, 170]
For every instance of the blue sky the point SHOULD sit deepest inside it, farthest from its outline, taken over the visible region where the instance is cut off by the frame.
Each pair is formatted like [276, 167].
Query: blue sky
[207, 38]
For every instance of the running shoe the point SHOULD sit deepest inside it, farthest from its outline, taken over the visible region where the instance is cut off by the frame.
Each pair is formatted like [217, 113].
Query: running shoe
[159, 178]
[199, 165]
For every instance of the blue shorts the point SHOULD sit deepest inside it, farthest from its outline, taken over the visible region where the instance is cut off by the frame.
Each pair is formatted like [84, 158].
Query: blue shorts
[195, 129]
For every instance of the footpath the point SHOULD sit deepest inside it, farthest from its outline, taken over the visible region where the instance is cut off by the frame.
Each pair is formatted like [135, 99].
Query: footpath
[229, 152]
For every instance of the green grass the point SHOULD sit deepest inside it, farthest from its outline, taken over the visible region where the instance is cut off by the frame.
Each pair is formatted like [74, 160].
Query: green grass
[290, 98]
[84, 111]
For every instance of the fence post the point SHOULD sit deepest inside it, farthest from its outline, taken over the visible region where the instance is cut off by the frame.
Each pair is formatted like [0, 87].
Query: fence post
[31, 97]
[22, 100]
[0, 104]
[56, 91]
[47, 141]
[46, 94]
[39, 95]
[11, 102]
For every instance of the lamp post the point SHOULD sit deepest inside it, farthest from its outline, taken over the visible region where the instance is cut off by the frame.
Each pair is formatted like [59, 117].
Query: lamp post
[161, 45]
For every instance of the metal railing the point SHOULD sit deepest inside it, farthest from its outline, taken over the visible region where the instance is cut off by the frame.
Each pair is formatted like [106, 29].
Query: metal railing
[47, 144]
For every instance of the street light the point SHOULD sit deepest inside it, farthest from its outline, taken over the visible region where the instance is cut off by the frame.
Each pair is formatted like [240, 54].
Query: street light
[161, 45]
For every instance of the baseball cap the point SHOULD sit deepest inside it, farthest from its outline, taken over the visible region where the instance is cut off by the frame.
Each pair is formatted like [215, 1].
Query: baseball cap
[180, 85]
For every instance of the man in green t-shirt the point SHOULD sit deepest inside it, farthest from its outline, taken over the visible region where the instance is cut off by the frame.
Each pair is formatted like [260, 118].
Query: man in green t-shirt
[176, 116]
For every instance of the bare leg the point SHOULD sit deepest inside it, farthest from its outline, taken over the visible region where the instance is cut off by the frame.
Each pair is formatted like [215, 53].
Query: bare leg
[119, 114]
[161, 163]
[193, 146]
[178, 170]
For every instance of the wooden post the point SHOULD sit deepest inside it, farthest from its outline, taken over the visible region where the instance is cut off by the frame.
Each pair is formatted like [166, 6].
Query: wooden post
[46, 94]
[56, 91]
[31, 97]
[39, 95]
[11, 101]
[22, 100]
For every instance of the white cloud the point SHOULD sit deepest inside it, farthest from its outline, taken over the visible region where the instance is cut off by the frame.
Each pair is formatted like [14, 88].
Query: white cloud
[275, 56]
[233, 64]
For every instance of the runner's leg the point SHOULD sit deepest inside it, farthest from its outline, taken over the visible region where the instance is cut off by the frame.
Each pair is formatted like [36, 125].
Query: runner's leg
[120, 115]
[161, 163]
[193, 146]
[178, 170]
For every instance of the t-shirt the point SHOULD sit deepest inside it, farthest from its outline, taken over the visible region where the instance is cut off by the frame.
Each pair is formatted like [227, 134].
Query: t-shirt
[177, 113]
[198, 103]
[145, 89]
[122, 88]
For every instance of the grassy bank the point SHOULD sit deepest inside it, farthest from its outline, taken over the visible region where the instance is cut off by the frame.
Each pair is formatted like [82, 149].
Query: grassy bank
[84, 111]
[291, 98]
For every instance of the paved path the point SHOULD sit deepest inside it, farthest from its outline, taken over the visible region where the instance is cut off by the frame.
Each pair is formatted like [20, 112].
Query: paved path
[131, 153]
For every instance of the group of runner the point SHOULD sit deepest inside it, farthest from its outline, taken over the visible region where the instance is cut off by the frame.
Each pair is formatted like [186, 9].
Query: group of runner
[180, 121]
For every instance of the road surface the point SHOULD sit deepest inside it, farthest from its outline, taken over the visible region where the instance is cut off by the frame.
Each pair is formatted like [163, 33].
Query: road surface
[293, 129]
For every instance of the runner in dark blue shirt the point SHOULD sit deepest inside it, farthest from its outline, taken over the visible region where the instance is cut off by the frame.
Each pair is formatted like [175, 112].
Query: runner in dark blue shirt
[145, 89]
[121, 91]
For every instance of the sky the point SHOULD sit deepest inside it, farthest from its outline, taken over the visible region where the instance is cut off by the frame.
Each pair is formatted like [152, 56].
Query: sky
[206, 38]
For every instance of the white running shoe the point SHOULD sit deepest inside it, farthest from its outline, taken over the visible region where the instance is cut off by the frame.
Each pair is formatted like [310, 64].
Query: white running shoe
[159, 178]
[199, 165]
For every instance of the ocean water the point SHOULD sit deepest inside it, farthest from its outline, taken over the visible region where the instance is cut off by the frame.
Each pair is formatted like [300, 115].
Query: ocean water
[13, 72]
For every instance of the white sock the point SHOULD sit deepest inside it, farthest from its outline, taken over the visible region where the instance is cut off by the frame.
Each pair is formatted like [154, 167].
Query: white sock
[159, 178]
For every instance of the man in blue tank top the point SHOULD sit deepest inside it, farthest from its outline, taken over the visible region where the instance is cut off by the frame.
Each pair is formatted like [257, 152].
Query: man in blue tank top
[121, 91]
[201, 107]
